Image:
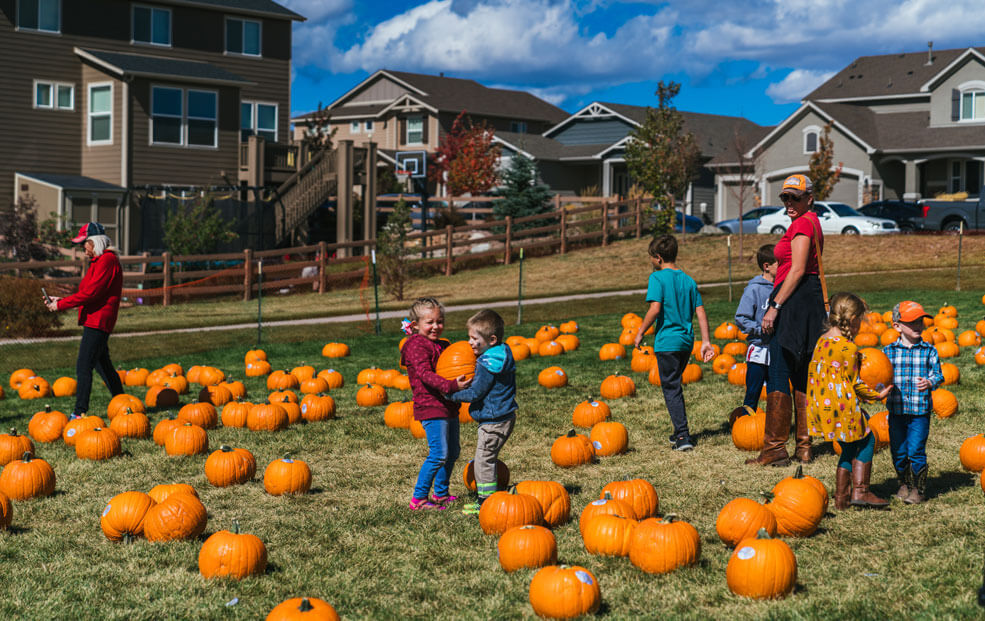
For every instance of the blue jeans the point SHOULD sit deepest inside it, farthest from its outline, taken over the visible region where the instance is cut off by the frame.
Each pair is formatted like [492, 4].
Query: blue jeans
[786, 369]
[908, 441]
[755, 376]
[443, 449]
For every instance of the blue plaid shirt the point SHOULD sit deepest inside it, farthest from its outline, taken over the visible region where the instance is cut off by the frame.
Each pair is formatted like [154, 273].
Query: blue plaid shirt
[909, 363]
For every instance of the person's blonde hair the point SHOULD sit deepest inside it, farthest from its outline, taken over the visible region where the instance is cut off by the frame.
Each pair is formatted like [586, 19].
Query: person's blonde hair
[487, 323]
[100, 244]
[845, 309]
[422, 304]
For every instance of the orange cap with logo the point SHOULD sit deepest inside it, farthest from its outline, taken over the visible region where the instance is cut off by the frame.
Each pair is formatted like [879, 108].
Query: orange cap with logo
[908, 310]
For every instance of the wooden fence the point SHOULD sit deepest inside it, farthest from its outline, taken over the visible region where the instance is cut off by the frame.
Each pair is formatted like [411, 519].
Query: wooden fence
[165, 279]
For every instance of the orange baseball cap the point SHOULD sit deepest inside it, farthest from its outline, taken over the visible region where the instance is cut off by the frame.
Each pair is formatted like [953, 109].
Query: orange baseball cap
[908, 311]
[797, 183]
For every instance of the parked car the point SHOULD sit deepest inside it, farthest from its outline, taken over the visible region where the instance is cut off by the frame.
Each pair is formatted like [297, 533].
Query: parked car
[750, 220]
[693, 224]
[952, 216]
[836, 218]
[908, 216]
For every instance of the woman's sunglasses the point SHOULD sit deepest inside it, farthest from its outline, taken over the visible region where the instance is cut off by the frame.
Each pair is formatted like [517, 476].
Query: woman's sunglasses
[790, 198]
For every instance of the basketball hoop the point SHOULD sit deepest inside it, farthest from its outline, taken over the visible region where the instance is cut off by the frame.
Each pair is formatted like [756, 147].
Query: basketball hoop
[403, 175]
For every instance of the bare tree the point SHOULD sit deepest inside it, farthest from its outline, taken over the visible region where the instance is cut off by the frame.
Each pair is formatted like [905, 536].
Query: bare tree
[745, 165]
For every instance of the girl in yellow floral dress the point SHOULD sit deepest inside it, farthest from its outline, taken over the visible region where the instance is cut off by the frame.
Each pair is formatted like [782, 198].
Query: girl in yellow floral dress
[834, 391]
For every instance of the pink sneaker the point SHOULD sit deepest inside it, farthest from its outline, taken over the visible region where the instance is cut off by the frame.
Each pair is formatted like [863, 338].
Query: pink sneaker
[417, 504]
[443, 500]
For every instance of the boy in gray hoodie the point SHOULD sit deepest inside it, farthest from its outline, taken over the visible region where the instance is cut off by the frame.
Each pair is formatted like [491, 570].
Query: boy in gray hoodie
[749, 318]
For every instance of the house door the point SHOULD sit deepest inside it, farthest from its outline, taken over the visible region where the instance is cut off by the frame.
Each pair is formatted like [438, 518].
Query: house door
[620, 182]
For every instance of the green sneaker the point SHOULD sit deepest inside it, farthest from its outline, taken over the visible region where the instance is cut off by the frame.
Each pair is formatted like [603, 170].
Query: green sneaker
[471, 508]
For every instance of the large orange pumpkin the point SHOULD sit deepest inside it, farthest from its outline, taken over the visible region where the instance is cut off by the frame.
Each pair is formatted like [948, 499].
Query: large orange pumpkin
[563, 592]
[876, 370]
[504, 510]
[662, 545]
[456, 360]
[762, 568]
[528, 546]
[742, 518]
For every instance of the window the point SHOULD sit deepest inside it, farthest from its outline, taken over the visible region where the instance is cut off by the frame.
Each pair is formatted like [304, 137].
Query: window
[242, 36]
[41, 15]
[258, 119]
[518, 127]
[151, 25]
[354, 127]
[203, 109]
[415, 130]
[166, 115]
[973, 105]
[100, 114]
[53, 95]
[369, 127]
[810, 138]
[180, 117]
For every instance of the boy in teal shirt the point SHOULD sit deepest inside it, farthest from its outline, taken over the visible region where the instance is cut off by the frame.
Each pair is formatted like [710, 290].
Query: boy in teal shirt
[674, 301]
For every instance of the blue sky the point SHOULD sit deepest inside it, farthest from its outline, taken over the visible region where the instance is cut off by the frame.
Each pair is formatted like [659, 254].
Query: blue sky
[751, 58]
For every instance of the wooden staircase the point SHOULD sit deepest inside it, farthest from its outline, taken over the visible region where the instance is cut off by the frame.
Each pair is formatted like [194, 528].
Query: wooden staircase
[305, 191]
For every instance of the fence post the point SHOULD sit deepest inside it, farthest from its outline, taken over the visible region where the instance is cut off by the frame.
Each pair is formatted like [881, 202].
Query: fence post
[322, 267]
[639, 218]
[564, 231]
[166, 257]
[605, 222]
[247, 274]
[449, 248]
[509, 240]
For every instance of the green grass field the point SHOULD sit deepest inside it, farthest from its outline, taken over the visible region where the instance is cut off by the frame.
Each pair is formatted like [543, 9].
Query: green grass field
[353, 542]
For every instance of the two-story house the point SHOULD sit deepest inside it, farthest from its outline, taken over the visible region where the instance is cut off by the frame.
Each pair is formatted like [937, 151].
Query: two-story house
[904, 126]
[98, 97]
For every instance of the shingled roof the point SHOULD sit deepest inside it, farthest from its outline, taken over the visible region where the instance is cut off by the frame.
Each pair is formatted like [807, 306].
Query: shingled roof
[262, 8]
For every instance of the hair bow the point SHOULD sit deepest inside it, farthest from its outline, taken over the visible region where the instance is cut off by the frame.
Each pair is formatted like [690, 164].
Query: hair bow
[405, 325]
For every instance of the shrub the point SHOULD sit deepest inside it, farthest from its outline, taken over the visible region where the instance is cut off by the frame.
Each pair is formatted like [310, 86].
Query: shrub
[22, 309]
[391, 250]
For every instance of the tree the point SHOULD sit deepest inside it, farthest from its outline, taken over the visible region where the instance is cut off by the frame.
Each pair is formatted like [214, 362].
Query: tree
[823, 174]
[319, 133]
[660, 154]
[745, 166]
[19, 238]
[522, 195]
[391, 250]
[196, 228]
[466, 159]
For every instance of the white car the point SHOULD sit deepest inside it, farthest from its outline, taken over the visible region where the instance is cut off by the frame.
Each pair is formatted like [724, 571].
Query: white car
[836, 219]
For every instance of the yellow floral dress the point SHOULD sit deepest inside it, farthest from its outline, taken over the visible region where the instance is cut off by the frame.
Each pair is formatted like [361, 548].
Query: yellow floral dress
[834, 391]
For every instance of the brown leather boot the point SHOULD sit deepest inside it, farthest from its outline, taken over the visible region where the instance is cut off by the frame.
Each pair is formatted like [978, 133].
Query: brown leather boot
[737, 412]
[918, 492]
[843, 488]
[905, 478]
[779, 409]
[803, 451]
[861, 496]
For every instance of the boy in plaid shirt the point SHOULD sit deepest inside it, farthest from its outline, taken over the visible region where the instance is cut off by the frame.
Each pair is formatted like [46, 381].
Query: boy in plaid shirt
[916, 372]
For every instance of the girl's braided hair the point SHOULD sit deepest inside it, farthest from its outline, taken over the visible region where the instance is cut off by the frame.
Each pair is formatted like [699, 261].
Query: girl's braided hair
[422, 304]
[845, 309]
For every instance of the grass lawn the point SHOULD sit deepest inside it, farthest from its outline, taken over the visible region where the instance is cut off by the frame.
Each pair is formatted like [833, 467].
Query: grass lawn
[353, 542]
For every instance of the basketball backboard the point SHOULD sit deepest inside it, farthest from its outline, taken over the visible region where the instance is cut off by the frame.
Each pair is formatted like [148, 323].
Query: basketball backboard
[414, 162]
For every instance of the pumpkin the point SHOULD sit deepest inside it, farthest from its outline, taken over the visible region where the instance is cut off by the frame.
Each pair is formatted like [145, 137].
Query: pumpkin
[177, 383]
[287, 476]
[123, 517]
[572, 449]
[34, 388]
[876, 370]
[527, 546]
[520, 351]
[457, 360]
[163, 491]
[74, 427]
[797, 505]
[234, 413]
[98, 444]
[972, 453]
[642, 362]
[335, 350]
[748, 430]
[945, 403]
[231, 554]
[121, 402]
[552, 377]
[257, 368]
[607, 505]
[47, 425]
[282, 380]
[692, 373]
[608, 535]
[662, 545]
[550, 348]
[313, 386]
[64, 387]
[371, 395]
[968, 338]
[216, 395]
[612, 351]
[726, 331]
[639, 494]
[569, 342]
[504, 510]
[316, 408]
[547, 333]
[563, 592]
[163, 429]
[952, 375]
[202, 414]
[589, 412]
[617, 386]
[210, 376]
[654, 375]
[19, 376]
[130, 425]
[13, 446]
[553, 498]
[502, 475]
[6, 511]
[230, 466]
[980, 356]
[303, 372]
[609, 438]
[292, 409]
[879, 424]
[267, 417]
[279, 396]
[761, 568]
[27, 477]
[179, 516]
[696, 350]
[735, 348]
[136, 377]
[463, 413]
[532, 345]
[186, 439]
[741, 519]
[161, 397]
[569, 327]
[721, 364]
[867, 339]
[416, 429]
[399, 414]
[947, 349]
[333, 378]
[173, 369]
[628, 336]
[890, 335]
[253, 355]
[302, 608]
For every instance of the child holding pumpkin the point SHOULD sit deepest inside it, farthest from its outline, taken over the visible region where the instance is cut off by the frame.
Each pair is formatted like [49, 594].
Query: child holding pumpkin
[916, 372]
[438, 415]
[749, 317]
[491, 398]
[833, 410]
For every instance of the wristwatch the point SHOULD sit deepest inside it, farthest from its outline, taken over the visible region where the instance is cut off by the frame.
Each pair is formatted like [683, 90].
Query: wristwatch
[775, 304]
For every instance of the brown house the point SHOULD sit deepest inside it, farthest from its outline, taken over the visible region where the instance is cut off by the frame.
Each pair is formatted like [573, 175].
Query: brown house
[103, 96]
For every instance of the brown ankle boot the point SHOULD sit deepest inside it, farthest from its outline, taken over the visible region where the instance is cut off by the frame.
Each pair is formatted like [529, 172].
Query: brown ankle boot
[843, 488]
[737, 412]
[803, 451]
[861, 496]
[779, 409]
[905, 478]
[918, 492]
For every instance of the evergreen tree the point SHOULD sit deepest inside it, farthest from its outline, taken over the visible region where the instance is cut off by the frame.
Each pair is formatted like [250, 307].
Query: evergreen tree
[197, 228]
[391, 250]
[522, 195]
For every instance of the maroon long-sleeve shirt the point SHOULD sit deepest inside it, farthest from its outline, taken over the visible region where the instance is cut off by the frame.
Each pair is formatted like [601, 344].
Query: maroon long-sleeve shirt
[98, 297]
[420, 356]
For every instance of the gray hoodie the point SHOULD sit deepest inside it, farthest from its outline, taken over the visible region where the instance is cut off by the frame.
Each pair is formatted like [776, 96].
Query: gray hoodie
[752, 307]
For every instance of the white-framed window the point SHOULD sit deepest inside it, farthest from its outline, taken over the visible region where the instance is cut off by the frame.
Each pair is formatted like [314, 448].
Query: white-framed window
[202, 126]
[100, 123]
[40, 15]
[258, 118]
[369, 127]
[182, 117]
[518, 127]
[243, 36]
[54, 95]
[167, 111]
[811, 137]
[151, 25]
[354, 127]
[415, 130]
[973, 105]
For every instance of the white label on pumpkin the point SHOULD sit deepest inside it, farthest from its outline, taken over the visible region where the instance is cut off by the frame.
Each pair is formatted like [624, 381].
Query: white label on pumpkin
[287, 461]
[106, 510]
[70, 432]
[304, 408]
[596, 444]
[746, 553]
[595, 404]
[584, 577]
[559, 372]
[599, 502]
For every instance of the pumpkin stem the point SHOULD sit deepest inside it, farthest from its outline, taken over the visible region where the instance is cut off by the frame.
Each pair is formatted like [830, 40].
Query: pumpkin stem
[762, 534]
[607, 496]
[571, 433]
[305, 605]
[670, 517]
[13, 431]
[235, 526]
[767, 495]
[47, 408]
[225, 448]
[799, 473]
[26, 456]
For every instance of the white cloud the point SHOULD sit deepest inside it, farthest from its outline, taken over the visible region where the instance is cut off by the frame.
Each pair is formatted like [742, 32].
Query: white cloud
[796, 85]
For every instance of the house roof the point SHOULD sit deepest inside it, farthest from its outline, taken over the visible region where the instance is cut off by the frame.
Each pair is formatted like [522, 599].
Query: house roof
[886, 76]
[139, 65]
[72, 182]
[260, 8]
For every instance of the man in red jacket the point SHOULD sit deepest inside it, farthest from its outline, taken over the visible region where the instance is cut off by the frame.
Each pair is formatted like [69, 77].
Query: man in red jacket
[98, 299]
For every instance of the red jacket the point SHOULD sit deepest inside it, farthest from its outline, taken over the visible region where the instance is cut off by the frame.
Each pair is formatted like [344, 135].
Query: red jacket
[98, 297]
[420, 356]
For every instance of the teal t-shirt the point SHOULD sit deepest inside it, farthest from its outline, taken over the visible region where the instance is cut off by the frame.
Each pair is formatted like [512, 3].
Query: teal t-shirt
[678, 296]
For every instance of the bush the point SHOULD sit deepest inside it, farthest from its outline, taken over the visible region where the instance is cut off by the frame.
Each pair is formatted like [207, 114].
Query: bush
[22, 309]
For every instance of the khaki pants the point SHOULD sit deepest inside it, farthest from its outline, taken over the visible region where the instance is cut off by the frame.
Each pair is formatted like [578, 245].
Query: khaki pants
[492, 437]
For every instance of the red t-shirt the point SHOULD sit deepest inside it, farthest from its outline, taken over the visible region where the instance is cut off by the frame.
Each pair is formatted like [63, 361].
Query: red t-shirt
[808, 225]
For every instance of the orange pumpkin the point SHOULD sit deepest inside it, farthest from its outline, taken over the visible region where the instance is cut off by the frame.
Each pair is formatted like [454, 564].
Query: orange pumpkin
[335, 350]
[876, 370]
[569, 342]
[761, 568]
[721, 364]
[663, 545]
[742, 518]
[504, 510]
[563, 592]
[572, 449]
[612, 351]
[638, 494]
[371, 395]
[588, 413]
[609, 438]
[553, 499]
[456, 360]
[552, 377]
[526, 546]
[945, 403]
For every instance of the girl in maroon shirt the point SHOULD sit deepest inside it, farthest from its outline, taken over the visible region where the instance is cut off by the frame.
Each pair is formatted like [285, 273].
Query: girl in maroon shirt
[438, 415]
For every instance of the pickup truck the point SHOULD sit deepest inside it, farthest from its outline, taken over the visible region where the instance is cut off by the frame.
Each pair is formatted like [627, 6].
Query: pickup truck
[948, 215]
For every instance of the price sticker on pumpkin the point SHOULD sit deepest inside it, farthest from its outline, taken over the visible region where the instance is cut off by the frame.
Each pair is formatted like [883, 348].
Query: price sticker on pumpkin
[585, 577]
[597, 445]
[746, 553]
[106, 510]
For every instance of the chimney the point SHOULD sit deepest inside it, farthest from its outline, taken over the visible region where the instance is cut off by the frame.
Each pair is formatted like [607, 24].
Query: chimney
[930, 52]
